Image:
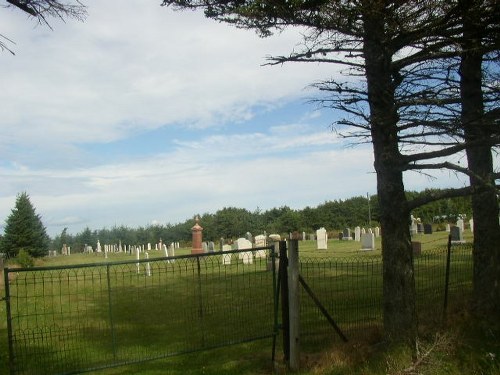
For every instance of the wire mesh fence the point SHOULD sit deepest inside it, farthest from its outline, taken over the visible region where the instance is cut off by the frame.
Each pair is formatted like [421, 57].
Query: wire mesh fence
[81, 318]
[351, 291]
[72, 319]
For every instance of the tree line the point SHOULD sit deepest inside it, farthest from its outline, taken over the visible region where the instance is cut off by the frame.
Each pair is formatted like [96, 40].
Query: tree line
[24, 229]
[232, 222]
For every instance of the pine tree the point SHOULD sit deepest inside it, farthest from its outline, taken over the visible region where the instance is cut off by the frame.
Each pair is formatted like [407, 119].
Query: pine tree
[24, 230]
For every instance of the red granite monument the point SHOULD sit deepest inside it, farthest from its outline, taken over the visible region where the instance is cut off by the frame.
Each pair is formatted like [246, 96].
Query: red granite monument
[197, 237]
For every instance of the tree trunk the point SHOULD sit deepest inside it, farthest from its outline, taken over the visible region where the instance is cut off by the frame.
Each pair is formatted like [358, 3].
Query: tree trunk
[400, 320]
[486, 253]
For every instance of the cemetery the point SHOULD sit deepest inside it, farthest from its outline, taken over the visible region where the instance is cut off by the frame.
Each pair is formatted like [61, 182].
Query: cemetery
[120, 304]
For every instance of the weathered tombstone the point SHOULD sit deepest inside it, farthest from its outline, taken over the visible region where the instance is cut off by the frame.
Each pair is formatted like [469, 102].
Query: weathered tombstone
[303, 236]
[249, 236]
[420, 228]
[138, 256]
[363, 230]
[377, 232]
[226, 258]
[322, 239]
[260, 241]
[456, 235]
[98, 249]
[471, 225]
[204, 247]
[413, 228]
[346, 234]
[460, 224]
[148, 266]
[275, 237]
[172, 252]
[357, 234]
[247, 256]
[427, 229]
[211, 247]
[448, 228]
[368, 241]
[149, 246]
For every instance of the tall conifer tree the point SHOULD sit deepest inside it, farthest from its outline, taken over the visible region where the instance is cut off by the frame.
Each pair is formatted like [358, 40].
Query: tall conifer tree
[24, 230]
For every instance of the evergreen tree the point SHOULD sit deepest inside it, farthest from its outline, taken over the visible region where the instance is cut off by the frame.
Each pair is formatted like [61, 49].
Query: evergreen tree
[24, 230]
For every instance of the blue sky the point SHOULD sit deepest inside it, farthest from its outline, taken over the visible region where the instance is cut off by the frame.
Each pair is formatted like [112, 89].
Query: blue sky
[144, 115]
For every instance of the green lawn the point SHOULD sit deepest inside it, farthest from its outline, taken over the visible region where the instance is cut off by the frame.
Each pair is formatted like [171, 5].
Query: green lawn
[176, 309]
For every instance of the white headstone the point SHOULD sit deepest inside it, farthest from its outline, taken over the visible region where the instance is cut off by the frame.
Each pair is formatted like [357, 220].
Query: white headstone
[368, 241]
[260, 241]
[377, 232]
[241, 244]
[148, 267]
[275, 237]
[138, 256]
[448, 228]
[322, 239]
[226, 258]
[357, 234]
[471, 225]
[460, 224]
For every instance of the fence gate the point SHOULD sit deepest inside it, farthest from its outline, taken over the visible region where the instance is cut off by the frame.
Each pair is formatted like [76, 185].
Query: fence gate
[73, 319]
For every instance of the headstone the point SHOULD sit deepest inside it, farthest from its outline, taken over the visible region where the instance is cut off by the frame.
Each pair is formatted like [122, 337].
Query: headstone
[377, 232]
[98, 249]
[357, 234]
[172, 252]
[471, 225]
[275, 237]
[456, 235]
[413, 228]
[226, 258]
[148, 267]
[368, 241]
[346, 234]
[204, 247]
[448, 228]
[211, 247]
[247, 256]
[363, 230]
[249, 236]
[303, 236]
[322, 239]
[427, 229]
[138, 256]
[260, 241]
[420, 228]
[460, 224]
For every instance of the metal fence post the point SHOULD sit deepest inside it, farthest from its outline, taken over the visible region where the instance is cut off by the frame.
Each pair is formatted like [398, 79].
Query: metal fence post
[447, 279]
[285, 321]
[293, 300]
[110, 312]
[9, 320]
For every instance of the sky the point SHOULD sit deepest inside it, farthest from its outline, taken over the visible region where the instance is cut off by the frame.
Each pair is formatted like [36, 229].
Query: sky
[143, 115]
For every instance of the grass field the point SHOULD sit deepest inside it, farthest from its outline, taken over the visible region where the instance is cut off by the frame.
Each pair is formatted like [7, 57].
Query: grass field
[223, 304]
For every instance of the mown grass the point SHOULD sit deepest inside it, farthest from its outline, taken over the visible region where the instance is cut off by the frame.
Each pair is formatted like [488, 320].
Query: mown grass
[235, 300]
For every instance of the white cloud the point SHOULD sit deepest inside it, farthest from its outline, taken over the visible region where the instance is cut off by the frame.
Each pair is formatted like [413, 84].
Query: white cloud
[73, 96]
